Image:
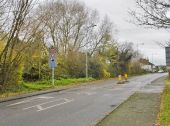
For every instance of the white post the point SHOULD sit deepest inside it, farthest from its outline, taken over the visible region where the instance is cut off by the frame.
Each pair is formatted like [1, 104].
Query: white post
[53, 76]
[86, 65]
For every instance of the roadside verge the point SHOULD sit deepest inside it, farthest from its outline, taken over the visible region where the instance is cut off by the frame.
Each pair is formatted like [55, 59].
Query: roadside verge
[164, 116]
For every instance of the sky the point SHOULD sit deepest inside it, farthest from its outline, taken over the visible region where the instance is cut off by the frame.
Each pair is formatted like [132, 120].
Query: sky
[146, 39]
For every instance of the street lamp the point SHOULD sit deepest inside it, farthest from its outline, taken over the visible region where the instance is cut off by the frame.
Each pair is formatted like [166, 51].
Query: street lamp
[88, 28]
[138, 46]
[153, 54]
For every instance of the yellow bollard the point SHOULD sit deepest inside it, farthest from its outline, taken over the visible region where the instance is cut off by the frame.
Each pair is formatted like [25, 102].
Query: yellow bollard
[120, 78]
[126, 76]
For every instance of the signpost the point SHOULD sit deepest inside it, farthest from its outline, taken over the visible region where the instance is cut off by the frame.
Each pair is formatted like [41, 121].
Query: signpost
[52, 61]
[167, 51]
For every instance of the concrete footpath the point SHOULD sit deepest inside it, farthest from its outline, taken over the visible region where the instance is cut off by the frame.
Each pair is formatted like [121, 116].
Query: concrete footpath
[141, 109]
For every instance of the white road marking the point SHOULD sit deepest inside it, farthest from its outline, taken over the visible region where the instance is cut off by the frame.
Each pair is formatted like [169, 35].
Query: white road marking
[114, 89]
[87, 93]
[91, 93]
[95, 88]
[81, 92]
[30, 100]
[45, 97]
[67, 101]
[40, 106]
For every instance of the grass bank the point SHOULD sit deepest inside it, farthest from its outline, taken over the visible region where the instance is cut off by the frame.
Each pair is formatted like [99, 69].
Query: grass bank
[27, 87]
[165, 106]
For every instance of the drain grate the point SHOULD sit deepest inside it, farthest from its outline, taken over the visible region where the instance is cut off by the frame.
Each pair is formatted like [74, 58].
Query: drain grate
[113, 106]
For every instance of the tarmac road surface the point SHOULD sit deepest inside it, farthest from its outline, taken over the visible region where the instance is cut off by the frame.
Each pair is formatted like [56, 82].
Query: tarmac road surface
[80, 106]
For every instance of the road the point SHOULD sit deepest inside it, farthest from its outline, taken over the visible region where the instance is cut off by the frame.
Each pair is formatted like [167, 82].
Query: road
[81, 106]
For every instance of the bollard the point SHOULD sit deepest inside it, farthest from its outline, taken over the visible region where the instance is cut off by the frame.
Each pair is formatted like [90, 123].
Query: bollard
[120, 79]
[126, 77]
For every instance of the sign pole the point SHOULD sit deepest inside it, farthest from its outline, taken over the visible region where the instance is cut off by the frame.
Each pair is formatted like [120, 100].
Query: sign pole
[167, 51]
[52, 62]
[53, 76]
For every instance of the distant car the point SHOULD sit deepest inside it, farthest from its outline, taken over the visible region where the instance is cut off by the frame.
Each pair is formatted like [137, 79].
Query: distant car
[160, 71]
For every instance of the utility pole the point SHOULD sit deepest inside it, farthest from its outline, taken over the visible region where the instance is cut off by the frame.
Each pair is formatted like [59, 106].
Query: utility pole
[86, 65]
[153, 60]
[138, 46]
[39, 62]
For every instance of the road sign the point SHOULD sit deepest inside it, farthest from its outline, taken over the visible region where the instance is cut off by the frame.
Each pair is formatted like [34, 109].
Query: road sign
[52, 58]
[52, 61]
[168, 68]
[167, 50]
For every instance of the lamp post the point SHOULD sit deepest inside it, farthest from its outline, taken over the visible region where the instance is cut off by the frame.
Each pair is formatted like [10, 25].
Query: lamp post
[93, 25]
[86, 65]
[138, 46]
[153, 60]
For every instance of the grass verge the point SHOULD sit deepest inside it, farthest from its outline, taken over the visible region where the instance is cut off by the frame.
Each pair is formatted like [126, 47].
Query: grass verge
[27, 87]
[165, 106]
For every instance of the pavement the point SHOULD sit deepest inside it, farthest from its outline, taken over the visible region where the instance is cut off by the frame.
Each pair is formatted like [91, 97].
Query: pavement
[141, 109]
[79, 106]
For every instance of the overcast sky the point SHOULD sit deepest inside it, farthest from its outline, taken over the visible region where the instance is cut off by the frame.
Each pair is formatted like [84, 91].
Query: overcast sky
[117, 10]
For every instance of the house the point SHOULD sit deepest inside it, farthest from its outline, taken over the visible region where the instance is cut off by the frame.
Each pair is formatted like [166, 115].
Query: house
[147, 65]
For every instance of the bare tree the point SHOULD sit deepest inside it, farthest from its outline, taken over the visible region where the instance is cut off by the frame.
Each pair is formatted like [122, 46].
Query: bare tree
[72, 27]
[4, 14]
[152, 13]
[18, 33]
[102, 36]
[67, 24]
[125, 54]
